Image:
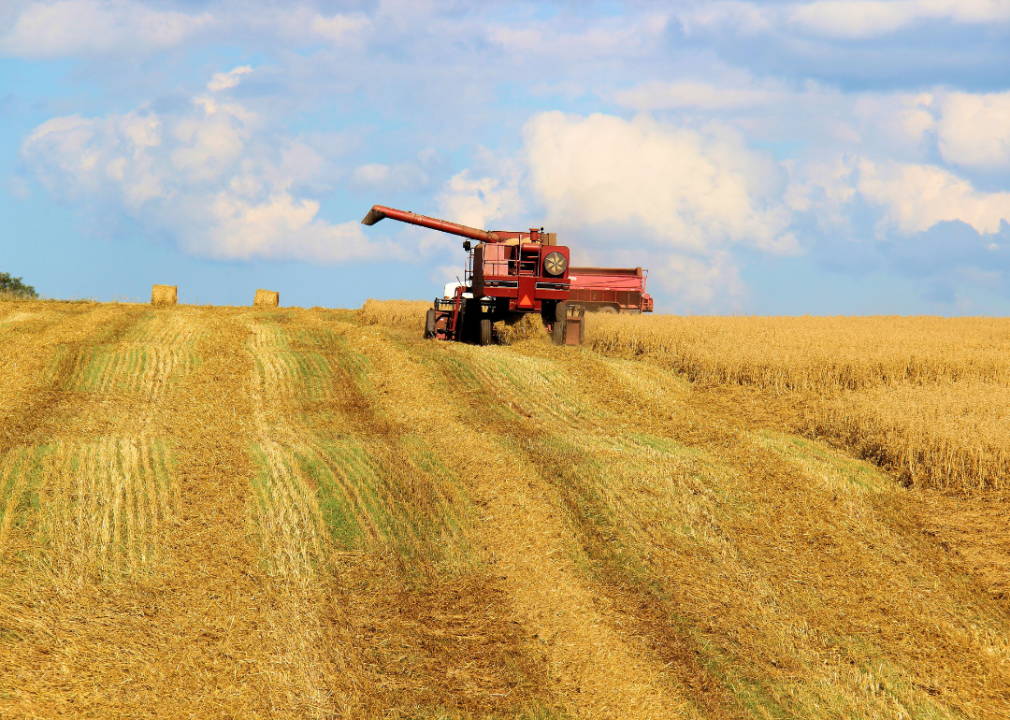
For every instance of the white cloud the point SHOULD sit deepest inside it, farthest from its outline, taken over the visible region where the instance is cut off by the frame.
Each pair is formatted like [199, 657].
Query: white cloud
[827, 186]
[701, 284]
[70, 27]
[279, 226]
[855, 19]
[211, 178]
[228, 80]
[917, 197]
[80, 158]
[974, 130]
[902, 119]
[835, 19]
[688, 189]
[210, 142]
[336, 28]
[480, 199]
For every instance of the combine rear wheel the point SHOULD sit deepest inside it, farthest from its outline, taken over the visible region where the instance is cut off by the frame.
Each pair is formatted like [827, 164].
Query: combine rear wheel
[560, 321]
[608, 310]
[485, 331]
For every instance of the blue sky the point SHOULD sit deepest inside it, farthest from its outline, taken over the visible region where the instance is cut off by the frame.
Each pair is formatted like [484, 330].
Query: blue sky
[827, 157]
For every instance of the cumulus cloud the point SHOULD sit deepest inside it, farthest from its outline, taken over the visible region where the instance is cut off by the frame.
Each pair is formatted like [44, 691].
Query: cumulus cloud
[974, 130]
[212, 177]
[688, 189]
[835, 19]
[225, 81]
[901, 119]
[917, 197]
[913, 197]
[825, 185]
[479, 201]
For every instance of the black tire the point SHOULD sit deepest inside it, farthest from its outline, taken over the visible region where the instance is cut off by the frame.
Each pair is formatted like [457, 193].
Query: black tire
[582, 330]
[608, 309]
[560, 323]
[429, 323]
[462, 323]
[485, 331]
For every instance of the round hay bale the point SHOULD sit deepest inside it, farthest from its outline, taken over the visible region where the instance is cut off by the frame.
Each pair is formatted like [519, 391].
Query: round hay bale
[165, 295]
[267, 298]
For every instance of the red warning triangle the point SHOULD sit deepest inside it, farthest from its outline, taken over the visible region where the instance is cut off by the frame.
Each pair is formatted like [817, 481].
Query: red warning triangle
[526, 302]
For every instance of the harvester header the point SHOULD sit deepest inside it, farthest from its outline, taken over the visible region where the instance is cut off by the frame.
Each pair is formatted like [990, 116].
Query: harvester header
[508, 274]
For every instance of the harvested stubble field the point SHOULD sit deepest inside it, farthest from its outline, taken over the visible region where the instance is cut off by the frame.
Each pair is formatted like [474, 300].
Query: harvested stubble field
[237, 512]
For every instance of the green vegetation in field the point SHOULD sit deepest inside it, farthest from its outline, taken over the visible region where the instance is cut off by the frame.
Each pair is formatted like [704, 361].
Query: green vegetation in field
[362, 496]
[817, 460]
[88, 507]
[12, 288]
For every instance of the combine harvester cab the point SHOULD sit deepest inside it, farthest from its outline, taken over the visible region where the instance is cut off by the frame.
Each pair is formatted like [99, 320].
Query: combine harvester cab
[508, 274]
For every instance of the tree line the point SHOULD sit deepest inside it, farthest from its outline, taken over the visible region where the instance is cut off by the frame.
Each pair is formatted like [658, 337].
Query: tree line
[15, 286]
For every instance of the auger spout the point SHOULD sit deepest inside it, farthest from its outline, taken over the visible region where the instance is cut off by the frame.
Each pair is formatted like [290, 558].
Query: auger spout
[378, 212]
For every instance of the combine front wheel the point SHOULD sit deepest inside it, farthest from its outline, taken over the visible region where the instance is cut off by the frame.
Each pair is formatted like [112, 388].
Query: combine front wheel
[560, 320]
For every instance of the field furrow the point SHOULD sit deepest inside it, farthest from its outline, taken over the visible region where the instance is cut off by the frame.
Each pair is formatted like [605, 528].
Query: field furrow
[527, 539]
[382, 497]
[288, 516]
[14, 477]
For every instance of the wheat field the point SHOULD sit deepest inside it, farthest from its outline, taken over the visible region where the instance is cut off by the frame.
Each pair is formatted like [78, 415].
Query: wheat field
[249, 512]
[927, 398]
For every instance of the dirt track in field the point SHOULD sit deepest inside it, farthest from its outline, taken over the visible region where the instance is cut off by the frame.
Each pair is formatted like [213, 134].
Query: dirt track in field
[214, 512]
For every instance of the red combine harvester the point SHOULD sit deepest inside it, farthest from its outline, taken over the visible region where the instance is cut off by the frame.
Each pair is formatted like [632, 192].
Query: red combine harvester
[609, 290]
[507, 274]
